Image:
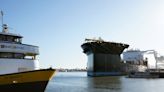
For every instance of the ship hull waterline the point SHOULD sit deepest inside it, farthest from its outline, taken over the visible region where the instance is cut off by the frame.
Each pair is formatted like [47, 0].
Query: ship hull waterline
[29, 81]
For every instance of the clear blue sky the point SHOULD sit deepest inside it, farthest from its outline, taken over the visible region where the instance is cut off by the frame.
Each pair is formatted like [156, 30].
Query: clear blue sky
[59, 27]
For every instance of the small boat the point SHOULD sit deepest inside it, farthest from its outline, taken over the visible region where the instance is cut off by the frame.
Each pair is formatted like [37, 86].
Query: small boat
[19, 67]
[142, 75]
[148, 73]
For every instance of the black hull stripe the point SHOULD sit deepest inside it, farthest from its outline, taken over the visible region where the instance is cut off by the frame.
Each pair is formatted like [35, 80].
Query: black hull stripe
[25, 87]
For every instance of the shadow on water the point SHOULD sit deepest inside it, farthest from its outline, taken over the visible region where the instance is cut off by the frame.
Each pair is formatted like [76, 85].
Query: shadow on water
[105, 83]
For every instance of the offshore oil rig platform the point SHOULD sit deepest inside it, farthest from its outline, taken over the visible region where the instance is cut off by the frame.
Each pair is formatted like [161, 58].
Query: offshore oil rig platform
[103, 57]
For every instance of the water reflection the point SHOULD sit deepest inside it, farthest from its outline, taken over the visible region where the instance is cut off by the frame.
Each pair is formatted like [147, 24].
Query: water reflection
[105, 83]
[79, 82]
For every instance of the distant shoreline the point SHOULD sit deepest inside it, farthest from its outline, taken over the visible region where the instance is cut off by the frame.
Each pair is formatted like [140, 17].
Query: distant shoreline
[71, 70]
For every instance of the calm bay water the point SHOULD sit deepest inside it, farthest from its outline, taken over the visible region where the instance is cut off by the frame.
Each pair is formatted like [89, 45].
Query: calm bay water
[79, 82]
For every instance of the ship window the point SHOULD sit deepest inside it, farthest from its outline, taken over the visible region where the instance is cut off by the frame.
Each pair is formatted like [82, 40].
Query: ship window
[15, 39]
[18, 40]
[9, 38]
[18, 55]
[6, 55]
[2, 38]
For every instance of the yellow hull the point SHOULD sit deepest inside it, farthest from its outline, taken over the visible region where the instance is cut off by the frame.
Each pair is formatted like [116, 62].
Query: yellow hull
[29, 81]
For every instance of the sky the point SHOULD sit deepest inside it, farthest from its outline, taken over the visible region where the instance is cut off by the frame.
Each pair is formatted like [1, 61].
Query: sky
[59, 27]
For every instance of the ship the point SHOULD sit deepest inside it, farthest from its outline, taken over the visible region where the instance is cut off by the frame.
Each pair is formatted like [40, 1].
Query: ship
[144, 64]
[19, 66]
[103, 57]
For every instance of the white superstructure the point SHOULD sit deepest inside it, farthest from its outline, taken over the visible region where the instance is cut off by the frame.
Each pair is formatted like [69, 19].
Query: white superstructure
[148, 58]
[15, 56]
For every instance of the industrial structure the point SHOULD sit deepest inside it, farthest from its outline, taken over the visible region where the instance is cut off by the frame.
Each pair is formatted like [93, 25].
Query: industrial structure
[149, 59]
[103, 57]
[143, 64]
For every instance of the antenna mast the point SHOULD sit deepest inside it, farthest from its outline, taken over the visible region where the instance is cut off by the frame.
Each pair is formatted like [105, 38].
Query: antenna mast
[2, 17]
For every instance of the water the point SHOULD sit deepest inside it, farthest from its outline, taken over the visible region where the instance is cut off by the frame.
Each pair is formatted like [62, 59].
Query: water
[79, 82]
